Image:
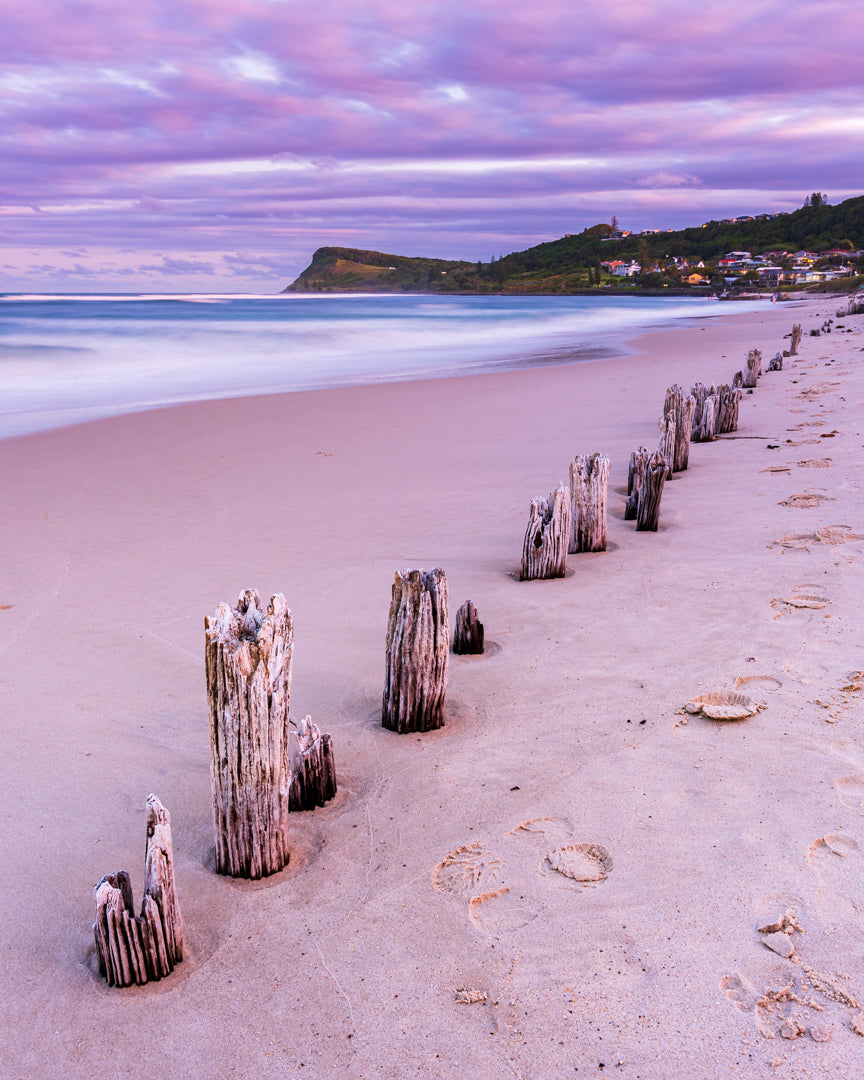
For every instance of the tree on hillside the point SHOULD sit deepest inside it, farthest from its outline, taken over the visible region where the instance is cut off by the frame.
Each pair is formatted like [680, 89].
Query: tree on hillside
[817, 199]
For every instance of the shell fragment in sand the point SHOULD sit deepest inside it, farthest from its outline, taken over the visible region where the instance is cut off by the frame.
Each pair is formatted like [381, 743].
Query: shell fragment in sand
[724, 705]
[467, 995]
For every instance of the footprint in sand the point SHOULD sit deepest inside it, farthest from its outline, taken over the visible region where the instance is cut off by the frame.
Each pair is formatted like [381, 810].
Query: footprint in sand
[814, 660]
[466, 869]
[740, 992]
[806, 500]
[535, 850]
[585, 863]
[851, 791]
[831, 535]
[798, 1000]
[832, 846]
[808, 596]
[759, 684]
[502, 910]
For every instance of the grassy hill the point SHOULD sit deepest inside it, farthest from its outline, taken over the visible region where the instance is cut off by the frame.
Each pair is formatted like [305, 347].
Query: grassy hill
[571, 264]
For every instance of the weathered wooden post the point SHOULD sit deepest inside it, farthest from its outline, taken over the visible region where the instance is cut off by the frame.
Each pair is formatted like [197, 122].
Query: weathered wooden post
[754, 368]
[544, 550]
[738, 379]
[705, 414]
[635, 476]
[589, 484]
[248, 661]
[699, 392]
[468, 632]
[147, 947]
[667, 440]
[796, 339]
[683, 409]
[728, 400]
[313, 767]
[418, 647]
[648, 512]
[776, 362]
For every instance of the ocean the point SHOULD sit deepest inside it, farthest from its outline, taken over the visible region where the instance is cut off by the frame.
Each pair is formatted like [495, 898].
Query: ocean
[66, 359]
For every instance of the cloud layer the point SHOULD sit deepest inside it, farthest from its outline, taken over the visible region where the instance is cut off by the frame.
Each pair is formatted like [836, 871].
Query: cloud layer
[216, 144]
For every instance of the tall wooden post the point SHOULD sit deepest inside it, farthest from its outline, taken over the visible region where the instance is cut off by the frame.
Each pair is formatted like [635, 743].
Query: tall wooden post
[754, 368]
[248, 661]
[147, 947]
[547, 537]
[313, 767]
[683, 409]
[667, 440]
[728, 401]
[648, 513]
[635, 477]
[700, 392]
[796, 339]
[589, 484]
[704, 423]
[418, 649]
[468, 631]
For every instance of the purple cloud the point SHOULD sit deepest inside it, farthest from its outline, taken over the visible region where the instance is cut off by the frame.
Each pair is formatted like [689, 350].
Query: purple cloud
[196, 130]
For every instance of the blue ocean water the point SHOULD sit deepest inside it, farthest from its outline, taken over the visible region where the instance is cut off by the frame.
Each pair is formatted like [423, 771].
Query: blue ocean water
[64, 359]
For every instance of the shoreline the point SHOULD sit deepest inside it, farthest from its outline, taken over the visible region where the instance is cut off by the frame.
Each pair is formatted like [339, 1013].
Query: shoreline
[188, 379]
[124, 532]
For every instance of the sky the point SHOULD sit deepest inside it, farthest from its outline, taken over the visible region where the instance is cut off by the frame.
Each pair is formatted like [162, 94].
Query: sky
[213, 145]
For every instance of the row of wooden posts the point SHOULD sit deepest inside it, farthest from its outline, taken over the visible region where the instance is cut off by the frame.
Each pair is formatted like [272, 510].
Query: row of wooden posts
[263, 768]
[572, 520]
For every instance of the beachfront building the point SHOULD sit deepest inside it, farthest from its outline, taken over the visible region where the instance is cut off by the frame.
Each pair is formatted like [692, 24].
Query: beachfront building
[618, 268]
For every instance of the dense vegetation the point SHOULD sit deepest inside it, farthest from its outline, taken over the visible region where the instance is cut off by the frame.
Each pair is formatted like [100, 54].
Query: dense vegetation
[572, 264]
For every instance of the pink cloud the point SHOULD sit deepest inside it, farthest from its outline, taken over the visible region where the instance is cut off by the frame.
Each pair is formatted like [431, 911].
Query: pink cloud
[100, 102]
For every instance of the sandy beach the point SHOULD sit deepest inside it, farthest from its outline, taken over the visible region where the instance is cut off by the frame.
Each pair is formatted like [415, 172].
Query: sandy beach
[119, 536]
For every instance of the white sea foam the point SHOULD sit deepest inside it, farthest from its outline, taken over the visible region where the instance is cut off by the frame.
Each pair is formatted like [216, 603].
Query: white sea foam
[70, 358]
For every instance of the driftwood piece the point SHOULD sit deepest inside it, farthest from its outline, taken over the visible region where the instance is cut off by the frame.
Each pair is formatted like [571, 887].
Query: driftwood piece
[248, 661]
[667, 440]
[728, 402]
[753, 368]
[418, 647]
[648, 512]
[313, 767]
[589, 484]
[147, 947]
[796, 339]
[547, 537]
[776, 362]
[683, 408]
[468, 632]
[635, 477]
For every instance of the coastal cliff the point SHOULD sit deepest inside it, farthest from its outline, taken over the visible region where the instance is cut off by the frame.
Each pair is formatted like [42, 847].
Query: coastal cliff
[583, 262]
